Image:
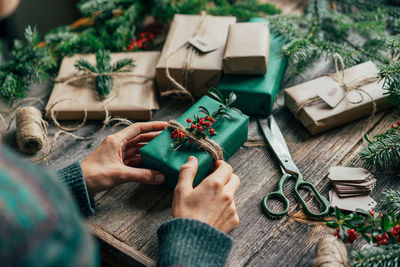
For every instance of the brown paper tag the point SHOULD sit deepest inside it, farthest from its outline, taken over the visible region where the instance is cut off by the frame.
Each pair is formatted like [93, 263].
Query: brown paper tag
[203, 44]
[351, 203]
[348, 174]
[331, 95]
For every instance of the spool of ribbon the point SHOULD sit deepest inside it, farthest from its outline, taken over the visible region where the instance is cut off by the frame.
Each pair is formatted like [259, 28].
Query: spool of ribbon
[178, 89]
[206, 143]
[354, 86]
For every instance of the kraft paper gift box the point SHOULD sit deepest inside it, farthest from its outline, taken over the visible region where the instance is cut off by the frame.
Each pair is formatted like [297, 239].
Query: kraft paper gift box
[247, 48]
[320, 116]
[195, 70]
[256, 93]
[231, 134]
[133, 96]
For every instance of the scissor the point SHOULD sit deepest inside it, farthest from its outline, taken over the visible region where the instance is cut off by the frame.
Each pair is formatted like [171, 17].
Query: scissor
[274, 137]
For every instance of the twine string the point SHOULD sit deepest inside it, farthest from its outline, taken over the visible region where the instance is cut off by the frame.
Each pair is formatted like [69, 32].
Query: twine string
[330, 252]
[206, 143]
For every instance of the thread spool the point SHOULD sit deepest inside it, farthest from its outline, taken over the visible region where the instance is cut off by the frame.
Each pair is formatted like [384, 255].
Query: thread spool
[31, 130]
[330, 252]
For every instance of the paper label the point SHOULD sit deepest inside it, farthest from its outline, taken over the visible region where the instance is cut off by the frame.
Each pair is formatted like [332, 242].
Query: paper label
[348, 174]
[331, 95]
[351, 203]
[202, 44]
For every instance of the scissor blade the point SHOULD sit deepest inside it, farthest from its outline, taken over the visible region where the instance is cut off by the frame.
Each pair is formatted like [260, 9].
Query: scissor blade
[274, 137]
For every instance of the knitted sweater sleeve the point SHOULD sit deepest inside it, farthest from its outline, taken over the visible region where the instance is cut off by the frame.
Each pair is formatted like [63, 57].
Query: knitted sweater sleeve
[187, 242]
[72, 176]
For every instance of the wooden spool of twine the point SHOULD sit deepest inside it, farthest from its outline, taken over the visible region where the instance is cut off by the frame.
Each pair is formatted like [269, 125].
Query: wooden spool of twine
[31, 130]
[330, 252]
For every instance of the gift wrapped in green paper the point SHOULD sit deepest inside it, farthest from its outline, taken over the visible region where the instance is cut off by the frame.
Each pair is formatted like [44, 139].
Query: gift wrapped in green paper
[206, 129]
[256, 93]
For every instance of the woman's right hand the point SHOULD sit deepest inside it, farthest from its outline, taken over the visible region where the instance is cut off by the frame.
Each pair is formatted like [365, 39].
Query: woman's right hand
[212, 200]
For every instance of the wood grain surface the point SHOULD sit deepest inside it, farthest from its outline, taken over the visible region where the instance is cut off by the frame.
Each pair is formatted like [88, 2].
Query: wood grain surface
[127, 216]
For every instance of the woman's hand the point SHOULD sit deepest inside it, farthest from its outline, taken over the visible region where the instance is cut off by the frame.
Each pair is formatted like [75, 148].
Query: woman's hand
[212, 200]
[113, 162]
[7, 7]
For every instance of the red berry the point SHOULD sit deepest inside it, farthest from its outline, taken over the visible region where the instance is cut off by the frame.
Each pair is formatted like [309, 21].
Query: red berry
[378, 237]
[394, 126]
[188, 120]
[212, 120]
[191, 141]
[201, 121]
[397, 227]
[381, 215]
[207, 118]
[384, 242]
[208, 124]
[372, 212]
[212, 131]
[192, 126]
[200, 129]
[398, 122]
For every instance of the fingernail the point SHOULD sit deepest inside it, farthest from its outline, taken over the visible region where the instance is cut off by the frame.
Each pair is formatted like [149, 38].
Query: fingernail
[159, 178]
[192, 159]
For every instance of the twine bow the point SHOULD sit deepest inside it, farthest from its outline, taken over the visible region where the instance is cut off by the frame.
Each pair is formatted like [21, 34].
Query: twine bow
[354, 86]
[179, 89]
[206, 143]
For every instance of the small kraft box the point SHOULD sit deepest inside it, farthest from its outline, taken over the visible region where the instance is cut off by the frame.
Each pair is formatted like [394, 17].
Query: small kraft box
[247, 48]
[336, 99]
[256, 93]
[229, 134]
[192, 54]
[133, 95]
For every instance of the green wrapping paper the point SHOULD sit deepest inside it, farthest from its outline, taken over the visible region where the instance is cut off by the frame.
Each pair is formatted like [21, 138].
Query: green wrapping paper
[256, 93]
[231, 134]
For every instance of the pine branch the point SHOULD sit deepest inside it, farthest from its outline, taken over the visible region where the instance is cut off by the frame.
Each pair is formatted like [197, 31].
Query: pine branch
[123, 65]
[382, 152]
[388, 255]
[391, 202]
[84, 65]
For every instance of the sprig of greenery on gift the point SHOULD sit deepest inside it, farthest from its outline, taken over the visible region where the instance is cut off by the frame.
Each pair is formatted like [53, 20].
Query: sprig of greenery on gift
[27, 63]
[200, 127]
[104, 70]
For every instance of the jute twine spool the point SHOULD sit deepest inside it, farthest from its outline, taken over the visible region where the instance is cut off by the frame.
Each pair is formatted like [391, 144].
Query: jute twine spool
[31, 130]
[330, 252]
[206, 143]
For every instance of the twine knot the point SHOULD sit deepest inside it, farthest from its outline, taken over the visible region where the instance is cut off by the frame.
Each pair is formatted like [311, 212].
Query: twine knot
[206, 143]
[330, 252]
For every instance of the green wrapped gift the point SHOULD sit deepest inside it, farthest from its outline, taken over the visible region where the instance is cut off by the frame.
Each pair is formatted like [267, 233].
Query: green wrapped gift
[230, 135]
[256, 93]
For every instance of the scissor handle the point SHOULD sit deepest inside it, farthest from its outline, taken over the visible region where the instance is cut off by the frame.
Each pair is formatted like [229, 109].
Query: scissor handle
[325, 203]
[278, 195]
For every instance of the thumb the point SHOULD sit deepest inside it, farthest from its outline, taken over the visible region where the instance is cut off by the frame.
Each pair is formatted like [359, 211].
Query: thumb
[187, 173]
[144, 176]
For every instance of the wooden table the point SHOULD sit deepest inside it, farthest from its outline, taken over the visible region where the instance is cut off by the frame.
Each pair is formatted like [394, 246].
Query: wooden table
[127, 216]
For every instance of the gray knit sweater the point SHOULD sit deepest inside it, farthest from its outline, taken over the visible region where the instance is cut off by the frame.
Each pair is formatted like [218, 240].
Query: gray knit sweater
[40, 223]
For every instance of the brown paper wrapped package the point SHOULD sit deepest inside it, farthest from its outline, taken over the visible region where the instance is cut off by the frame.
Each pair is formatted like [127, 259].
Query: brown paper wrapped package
[247, 49]
[202, 71]
[132, 97]
[320, 117]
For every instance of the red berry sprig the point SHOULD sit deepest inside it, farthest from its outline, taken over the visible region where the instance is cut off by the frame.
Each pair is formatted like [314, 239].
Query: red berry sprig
[200, 127]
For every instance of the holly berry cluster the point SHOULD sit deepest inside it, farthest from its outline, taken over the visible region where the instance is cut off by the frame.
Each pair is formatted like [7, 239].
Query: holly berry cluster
[377, 228]
[145, 37]
[200, 127]
[352, 235]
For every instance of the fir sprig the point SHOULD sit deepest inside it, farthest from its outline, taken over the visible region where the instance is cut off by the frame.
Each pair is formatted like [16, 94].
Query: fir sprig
[376, 256]
[28, 62]
[391, 202]
[104, 68]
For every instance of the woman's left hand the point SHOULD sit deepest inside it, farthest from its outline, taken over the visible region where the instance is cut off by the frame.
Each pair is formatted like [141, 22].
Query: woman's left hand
[114, 161]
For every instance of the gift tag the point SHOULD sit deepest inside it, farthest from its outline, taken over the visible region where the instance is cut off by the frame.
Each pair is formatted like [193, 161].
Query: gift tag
[331, 95]
[351, 203]
[348, 174]
[203, 44]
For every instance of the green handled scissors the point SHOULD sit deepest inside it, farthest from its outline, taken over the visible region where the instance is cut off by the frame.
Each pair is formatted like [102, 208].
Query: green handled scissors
[273, 135]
